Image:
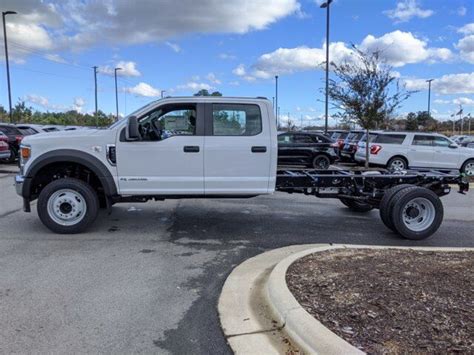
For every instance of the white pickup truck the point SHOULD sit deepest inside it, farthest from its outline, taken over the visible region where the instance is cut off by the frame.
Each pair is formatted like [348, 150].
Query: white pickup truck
[202, 147]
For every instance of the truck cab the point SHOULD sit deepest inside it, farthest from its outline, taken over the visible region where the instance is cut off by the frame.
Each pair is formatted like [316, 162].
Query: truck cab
[171, 148]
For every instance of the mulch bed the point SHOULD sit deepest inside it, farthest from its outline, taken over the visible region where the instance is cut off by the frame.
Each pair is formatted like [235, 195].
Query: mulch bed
[390, 301]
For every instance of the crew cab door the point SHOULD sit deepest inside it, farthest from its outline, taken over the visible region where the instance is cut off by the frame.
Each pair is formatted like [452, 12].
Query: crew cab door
[237, 149]
[168, 158]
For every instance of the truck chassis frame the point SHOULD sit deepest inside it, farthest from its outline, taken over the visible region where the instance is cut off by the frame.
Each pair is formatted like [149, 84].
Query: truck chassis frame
[397, 195]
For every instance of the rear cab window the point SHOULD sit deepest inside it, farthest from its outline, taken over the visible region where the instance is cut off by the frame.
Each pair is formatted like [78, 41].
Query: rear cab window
[236, 120]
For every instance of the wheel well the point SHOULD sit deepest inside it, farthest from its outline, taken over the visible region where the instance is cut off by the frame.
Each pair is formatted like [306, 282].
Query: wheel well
[59, 170]
[316, 154]
[399, 156]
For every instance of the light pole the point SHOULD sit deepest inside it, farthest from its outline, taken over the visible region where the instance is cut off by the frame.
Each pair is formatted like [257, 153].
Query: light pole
[429, 96]
[326, 5]
[276, 100]
[5, 13]
[116, 93]
[163, 93]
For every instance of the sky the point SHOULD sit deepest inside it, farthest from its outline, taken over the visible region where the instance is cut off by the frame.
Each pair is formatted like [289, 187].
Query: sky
[235, 47]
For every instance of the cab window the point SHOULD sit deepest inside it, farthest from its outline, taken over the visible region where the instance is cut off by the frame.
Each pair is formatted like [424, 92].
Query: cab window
[168, 121]
[423, 140]
[236, 120]
[441, 142]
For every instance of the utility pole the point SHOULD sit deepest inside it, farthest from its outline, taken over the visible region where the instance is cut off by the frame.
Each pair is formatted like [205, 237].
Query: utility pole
[453, 116]
[116, 94]
[163, 93]
[5, 13]
[289, 122]
[277, 109]
[326, 5]
[95, 91]
[469, 124]
[461, 118]
[273, 102]
[429, 96]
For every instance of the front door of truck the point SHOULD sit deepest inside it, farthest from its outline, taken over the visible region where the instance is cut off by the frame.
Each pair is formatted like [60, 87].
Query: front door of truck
[168, 158]
[237, 156]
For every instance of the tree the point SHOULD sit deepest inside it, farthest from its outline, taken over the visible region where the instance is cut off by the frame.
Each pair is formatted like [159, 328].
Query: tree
[366, 90]
[411, 122]
[205, 92]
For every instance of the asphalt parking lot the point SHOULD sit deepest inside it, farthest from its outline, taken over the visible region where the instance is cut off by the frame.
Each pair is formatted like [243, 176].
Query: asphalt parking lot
[147, 277]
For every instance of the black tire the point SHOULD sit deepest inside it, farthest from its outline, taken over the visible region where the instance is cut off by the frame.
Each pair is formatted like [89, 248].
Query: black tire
[402, 162]
[84, 190]
[406, 196]
[356, 206]
[13, 156]
[466, 164]
[321, 162]
[386, 205]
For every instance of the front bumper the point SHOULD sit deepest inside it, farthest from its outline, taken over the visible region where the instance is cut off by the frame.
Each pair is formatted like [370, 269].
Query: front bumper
[19, 181]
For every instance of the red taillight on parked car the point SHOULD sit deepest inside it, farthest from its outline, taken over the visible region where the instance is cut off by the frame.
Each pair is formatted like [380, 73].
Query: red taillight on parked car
[375, 149]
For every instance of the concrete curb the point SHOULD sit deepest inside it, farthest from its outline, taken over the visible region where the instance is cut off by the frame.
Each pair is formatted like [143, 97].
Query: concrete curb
[305, 331]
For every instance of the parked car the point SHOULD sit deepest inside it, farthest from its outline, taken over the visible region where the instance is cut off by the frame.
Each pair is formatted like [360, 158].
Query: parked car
[4, 147]
[348, 148]
[314, 150]
[468, 142]
[398, 151]
[14, 138]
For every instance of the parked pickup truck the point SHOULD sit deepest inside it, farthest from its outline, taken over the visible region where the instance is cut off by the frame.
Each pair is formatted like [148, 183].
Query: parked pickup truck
[203, 147]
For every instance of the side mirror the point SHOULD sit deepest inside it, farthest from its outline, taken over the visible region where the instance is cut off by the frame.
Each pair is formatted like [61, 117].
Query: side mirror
[453, 145]
[132, 133]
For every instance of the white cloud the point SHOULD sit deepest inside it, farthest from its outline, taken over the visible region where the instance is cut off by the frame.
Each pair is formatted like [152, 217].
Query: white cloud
[226, 56]
[466, 48]
[447, 84]
[213, 79]
[194, 86]
[442, 102]
[127, 69]
[240, 70]
[143, 89]
[175, 47]
[397, 48]
[44, 102]
[467, 29]
[462, 11]
[400, 48]
[406, 10]
[465, 101]
[78, 104]
[55, 58]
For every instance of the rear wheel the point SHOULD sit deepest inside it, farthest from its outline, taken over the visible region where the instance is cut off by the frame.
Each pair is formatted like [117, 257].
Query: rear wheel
[468, 168]
[68, 206]
[386, 205]
[356, 206]
[321, 162]
[397, 164]
[417, 213]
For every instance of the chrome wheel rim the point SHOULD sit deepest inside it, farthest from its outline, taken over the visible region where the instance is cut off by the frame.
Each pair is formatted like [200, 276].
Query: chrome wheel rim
[67, 207]
[469, 169]
[397, 165]
[418, 214]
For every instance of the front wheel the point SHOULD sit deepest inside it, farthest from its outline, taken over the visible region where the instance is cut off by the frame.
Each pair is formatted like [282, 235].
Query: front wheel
[321, 162]
[68, 206]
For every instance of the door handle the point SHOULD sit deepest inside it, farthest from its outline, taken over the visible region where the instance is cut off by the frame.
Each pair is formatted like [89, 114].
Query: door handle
[259, 149]
[191, 149]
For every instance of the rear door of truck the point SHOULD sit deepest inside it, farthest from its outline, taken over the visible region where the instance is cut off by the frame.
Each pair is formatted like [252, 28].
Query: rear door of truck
[238, 149]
